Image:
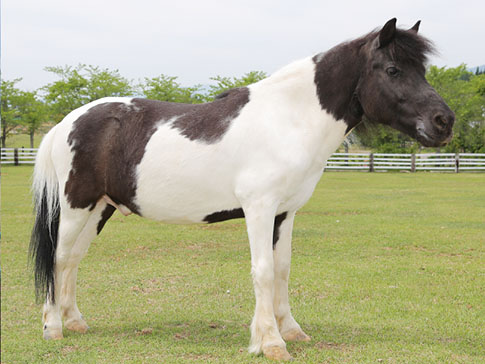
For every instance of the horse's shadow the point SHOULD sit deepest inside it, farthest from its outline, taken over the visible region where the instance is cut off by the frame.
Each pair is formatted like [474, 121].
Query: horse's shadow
[185, 332]
[217, 333]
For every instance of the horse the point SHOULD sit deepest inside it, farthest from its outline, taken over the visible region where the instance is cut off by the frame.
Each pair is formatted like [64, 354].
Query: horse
[255, 152]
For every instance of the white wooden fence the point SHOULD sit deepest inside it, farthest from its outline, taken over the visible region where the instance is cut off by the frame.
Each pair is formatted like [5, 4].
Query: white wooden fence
[459, 162]
[452, 162]
[18, 156]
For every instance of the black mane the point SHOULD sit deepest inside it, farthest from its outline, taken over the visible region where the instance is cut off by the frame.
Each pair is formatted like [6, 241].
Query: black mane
[411, 48]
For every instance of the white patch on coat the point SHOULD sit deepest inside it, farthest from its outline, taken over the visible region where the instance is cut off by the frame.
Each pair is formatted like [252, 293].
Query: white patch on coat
[277, 145]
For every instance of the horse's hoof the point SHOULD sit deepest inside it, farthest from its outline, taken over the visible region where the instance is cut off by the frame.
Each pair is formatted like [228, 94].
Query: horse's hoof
[77, 326]
[296, 335]
[52, 333]
[276, 353]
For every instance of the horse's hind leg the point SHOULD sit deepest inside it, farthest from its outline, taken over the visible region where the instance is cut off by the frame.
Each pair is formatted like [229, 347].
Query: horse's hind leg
[73, 319]
[72, 222]
[77, 228]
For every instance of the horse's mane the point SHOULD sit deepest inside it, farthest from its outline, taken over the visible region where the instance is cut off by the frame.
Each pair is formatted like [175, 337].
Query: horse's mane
[407, 46]
[410, 47]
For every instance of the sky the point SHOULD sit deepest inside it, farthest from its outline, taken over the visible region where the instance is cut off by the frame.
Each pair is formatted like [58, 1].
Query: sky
[198, 39]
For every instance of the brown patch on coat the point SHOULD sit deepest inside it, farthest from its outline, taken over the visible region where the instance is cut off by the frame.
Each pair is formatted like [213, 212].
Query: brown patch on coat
[238, 214]
[109, 141]
[224, 215]
[278, 220]
[105, 215]
[209, 122]
[337, 74]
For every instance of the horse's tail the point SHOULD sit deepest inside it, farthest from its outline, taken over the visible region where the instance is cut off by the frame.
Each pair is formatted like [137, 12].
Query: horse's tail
[43, 242]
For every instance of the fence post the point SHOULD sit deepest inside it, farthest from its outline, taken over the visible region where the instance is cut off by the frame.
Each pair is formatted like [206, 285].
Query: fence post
[16, 156]
[371, 162]
[413, 162]
[457, 162]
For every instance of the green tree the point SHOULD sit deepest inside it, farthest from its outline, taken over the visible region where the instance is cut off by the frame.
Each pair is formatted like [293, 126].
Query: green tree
[82, 84]
[166, 88]
[478, 83]
[9, 108]
[464, 92]
[226, 83]
[382, 139]
[33, 113]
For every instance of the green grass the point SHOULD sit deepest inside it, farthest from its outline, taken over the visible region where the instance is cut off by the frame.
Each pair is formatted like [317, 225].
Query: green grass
[22, 141]
[387, 268]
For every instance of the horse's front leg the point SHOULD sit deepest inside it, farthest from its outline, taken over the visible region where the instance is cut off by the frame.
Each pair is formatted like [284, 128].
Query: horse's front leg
[289, 328]
[265, 335]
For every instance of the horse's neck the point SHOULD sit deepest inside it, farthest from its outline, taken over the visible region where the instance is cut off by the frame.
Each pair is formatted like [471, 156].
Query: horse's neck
[292, 93]
[293, 79]
[327, 81]
[337, 75]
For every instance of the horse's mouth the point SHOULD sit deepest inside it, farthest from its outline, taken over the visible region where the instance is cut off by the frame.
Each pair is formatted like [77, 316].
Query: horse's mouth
[429, 141]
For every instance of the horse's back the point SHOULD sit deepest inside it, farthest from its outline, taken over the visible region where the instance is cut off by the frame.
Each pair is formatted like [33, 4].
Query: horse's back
[121, 147]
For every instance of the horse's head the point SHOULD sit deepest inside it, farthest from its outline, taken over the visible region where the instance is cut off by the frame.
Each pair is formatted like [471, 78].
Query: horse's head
[393, 89]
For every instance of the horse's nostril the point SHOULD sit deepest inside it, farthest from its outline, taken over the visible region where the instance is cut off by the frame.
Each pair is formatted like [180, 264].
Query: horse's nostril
[440, 120]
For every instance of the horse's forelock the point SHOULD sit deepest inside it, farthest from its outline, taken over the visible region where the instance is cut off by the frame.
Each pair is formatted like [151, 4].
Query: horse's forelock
[407, 47]
[411, 48]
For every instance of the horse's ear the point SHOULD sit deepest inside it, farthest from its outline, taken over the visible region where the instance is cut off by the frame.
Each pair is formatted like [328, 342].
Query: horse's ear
[415, 28]
[387, 33]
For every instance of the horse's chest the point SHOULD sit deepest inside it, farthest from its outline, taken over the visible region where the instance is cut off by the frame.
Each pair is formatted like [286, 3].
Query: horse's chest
[299, 191]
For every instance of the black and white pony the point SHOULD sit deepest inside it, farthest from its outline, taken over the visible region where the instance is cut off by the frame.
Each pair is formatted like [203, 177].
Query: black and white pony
[255, 152]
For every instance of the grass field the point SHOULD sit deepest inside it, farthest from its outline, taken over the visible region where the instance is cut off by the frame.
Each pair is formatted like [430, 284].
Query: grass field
[387, 268]
[22, 141]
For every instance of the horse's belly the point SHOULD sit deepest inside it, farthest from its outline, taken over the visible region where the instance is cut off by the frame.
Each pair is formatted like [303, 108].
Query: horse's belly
[178, 201]
[182, 181]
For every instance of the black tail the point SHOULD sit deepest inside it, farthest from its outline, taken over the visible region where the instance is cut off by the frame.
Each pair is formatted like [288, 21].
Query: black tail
[43, 244]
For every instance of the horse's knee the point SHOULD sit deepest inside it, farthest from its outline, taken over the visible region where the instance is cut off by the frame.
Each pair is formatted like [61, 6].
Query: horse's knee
[263, 272]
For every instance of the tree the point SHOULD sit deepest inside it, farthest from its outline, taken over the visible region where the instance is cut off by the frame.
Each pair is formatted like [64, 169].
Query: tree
[33, 113]
[226, 83]
[464, 93]
[82, 84]
[478, 83]
[9, 107]
[383, 139]
[166, 88]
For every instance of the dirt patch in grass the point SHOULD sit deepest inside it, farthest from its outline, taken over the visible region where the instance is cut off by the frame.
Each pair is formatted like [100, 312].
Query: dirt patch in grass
[145, 331]
[69, 349]
[199, 358]
[324, 345]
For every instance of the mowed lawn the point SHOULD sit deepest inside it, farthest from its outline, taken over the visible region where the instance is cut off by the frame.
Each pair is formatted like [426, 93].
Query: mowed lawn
[387, 268]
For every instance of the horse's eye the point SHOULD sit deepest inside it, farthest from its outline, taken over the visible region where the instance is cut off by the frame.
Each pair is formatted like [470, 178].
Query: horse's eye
[392, 71]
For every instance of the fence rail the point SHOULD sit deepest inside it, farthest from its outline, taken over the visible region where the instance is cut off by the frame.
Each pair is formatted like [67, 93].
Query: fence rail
[18, 156]
[452, 162]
